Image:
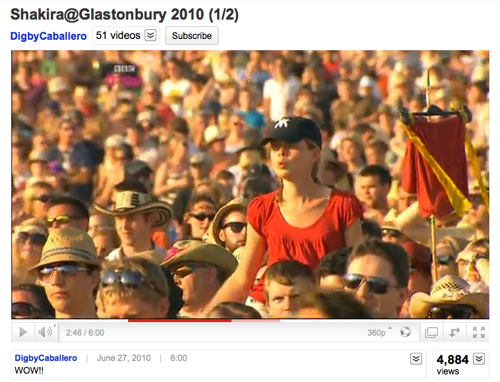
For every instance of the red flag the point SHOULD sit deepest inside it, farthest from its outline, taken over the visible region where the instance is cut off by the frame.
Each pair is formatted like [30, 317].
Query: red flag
[435, 154]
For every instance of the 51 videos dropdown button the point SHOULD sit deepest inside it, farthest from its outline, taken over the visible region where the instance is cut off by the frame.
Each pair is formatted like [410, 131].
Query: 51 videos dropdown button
[150, 35]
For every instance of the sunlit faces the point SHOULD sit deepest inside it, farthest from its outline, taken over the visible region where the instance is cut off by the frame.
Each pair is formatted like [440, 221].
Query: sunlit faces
[199, 218]
[134, 307]
[383, 301]
[134, 227]
[350, 151]
[103, 244]
[405, 200]
[371, 192]
[198, 282]
[98, 222]
[233, 230]
[289, 159]
[478, 214]
[67, 285]
[63, 216]
[283, 300]
[39, 201]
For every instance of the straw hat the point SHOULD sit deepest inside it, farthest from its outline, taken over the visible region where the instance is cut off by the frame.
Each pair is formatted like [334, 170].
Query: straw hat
[449, 290]
[68, 245]
[238, 204]
[129, 202]
[197, 251]
[213, 133]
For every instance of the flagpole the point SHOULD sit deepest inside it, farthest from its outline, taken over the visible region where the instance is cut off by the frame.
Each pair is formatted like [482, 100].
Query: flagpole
[432, 217]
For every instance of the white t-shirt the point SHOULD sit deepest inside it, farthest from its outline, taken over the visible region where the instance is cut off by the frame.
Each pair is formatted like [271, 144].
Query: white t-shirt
[281, 95]
[178, 88]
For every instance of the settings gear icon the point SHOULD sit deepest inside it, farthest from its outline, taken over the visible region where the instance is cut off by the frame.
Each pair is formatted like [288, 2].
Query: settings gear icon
[405, 331]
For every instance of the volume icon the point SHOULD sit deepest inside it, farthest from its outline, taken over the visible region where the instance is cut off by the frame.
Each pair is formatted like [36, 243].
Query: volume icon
[44, 331]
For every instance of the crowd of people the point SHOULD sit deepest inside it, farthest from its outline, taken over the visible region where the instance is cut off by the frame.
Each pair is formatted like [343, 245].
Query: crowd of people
[238, 184]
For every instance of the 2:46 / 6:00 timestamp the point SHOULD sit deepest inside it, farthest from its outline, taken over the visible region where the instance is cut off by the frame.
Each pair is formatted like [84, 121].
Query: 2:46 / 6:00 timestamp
[84, 332]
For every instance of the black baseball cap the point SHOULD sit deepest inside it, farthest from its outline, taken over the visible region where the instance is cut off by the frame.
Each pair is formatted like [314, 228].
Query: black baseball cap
[293, 130]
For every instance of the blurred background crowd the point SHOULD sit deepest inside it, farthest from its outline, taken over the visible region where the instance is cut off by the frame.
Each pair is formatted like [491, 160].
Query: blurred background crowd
[184, 127]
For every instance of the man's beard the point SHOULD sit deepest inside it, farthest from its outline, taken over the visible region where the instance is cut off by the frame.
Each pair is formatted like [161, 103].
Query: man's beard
[231, 247]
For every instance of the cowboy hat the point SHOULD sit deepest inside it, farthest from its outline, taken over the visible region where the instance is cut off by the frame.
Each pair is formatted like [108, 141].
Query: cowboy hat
[197, 251]
[129, 202]
[238, 204]
[449, 290]
[68, 245]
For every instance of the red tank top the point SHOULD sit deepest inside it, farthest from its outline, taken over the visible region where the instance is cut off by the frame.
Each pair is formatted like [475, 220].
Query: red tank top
[307, 245]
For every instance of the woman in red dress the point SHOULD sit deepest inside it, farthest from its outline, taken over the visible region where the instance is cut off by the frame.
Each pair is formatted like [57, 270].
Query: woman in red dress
[303, 220]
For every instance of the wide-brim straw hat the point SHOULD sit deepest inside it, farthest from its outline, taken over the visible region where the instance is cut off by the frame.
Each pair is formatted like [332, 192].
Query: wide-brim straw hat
[449, 290]
[237, 204]
[186, 251]
[68, 245]
[130, 202]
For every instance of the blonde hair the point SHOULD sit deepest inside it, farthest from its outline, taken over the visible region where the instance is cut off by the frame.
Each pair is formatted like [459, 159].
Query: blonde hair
[153, 289]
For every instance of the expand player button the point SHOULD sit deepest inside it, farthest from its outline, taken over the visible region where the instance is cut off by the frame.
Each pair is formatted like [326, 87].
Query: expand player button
[192, 35]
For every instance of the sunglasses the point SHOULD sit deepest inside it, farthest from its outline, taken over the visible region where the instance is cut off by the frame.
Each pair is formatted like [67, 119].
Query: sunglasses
[128, 279]
[392, 233]
[186, 270]
[445, 259]
[236, 227]
[201, 216]
[42, 198]
[454, 311]
[62, 219]
[33, 238]
[376, 285]
[45, 273]
[24, 309]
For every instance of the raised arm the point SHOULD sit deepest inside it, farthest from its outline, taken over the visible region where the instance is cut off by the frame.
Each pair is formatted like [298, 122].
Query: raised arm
[237, 287]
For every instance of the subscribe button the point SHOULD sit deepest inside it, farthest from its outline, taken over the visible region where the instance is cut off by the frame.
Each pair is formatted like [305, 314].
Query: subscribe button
[192, 35]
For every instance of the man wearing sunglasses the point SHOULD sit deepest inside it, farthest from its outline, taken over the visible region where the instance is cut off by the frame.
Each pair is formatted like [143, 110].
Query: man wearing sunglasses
[378, 273]
[66, 211]
[69, 272]
[199, 269]
[133, 288]
[229, 228]
[450, 298]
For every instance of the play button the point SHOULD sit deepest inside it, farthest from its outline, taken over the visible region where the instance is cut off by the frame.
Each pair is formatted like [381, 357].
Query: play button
[23, 332]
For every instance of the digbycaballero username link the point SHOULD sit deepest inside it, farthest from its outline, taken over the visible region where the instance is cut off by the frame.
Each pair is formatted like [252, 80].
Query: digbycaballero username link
[47, 36]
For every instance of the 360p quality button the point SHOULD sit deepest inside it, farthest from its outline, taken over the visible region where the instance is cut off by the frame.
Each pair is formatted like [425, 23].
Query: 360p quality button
[192, 35]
